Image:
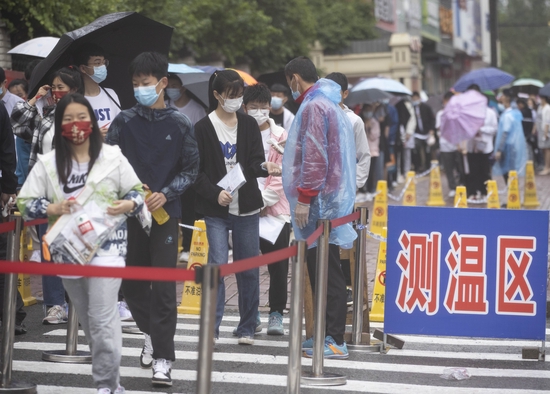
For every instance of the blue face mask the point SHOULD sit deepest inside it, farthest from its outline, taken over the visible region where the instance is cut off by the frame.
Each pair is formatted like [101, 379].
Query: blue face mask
[100, 74]
[146, 95]
[295, 94]
[276, 102]
[173, 93]
[1, 91]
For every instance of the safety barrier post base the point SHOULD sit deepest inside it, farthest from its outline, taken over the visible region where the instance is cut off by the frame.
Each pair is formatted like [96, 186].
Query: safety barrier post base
[325, 379]
[19, 387]
[366, 343]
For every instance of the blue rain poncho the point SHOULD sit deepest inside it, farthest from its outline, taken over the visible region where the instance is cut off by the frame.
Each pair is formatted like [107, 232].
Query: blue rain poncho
[320, 156]
[510, 140]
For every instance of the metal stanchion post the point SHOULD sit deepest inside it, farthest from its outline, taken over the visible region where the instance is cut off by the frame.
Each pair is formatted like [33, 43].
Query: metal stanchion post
[210, 279]
[317, 377]
[296, 315]
[358, 326]
[8, 317]
[70, 354]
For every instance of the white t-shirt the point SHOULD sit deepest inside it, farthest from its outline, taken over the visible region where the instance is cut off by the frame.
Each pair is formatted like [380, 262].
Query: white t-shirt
[104, 108]
[76, 180]
[193, 110]
[265, 137]
[444, 145]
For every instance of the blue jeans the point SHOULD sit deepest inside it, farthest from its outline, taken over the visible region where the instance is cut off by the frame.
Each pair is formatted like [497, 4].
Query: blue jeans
[52, 286]
[246, 243]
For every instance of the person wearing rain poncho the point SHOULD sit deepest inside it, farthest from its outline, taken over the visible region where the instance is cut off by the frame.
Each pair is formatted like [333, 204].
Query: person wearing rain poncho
[510, 147]
[319, 182]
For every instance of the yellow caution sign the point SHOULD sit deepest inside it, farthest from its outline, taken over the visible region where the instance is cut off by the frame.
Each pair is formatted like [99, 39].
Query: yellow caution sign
[409, 198]
[493, 200]
[513, 191]
[461, 200]
[379, 293]
[24, 280]
[530, 199]
[198, 256]
[380, 209]
[435, 197]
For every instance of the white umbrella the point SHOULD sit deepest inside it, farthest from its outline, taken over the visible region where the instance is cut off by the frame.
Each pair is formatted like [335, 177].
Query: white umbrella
[385, 84]
[39, 47]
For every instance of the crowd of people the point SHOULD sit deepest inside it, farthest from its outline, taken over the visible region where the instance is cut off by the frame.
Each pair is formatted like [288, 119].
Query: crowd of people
[80, 153]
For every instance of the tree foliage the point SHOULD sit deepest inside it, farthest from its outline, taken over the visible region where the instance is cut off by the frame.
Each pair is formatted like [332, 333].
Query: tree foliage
[525, 38]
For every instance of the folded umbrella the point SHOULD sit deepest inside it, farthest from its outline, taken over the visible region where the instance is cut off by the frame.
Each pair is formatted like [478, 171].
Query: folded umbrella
[463, 116]
[39, 47]
[366, 96]
[385, 84]
[489, 78]
[122, 35]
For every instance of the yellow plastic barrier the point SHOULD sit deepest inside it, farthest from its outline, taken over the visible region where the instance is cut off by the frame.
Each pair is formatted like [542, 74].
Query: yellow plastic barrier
[493, 200]
[461, 200]
[379, 293]
[198, 256]
[380, 209]
[435, 198]
[24, 280]
[530, 199]
[409, 198]
[513, 191]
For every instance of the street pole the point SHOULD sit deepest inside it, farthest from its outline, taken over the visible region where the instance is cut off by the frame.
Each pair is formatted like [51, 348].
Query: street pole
[493, 27]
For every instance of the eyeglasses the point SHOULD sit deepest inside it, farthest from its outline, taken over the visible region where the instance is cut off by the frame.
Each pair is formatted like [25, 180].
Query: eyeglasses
[99, 63]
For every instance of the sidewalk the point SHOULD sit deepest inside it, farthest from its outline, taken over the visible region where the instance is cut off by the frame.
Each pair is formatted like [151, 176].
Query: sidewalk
[543, 193]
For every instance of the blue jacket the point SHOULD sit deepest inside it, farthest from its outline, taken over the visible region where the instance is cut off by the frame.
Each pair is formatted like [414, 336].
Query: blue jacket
[161, 147]
[510, 141]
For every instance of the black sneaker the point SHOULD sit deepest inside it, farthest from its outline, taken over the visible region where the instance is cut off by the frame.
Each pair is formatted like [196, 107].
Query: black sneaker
[349, 296]
[161, 372]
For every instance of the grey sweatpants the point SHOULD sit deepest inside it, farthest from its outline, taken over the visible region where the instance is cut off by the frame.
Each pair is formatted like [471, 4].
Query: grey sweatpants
[95, 301]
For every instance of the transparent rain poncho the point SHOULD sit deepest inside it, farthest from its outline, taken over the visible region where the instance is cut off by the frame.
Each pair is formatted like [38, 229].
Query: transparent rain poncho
[320, 155]
[510, 140]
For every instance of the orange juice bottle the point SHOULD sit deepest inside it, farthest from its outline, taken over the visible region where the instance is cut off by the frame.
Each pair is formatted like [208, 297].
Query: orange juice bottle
[160, 215]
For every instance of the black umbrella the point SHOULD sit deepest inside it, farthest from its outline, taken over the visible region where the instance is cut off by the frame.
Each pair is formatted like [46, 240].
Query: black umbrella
[545, 91]
[122, 35]
[366, 96]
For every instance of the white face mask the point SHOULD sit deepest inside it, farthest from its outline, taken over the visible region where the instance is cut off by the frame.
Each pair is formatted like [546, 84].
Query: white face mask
[232, 105]
[261, 115]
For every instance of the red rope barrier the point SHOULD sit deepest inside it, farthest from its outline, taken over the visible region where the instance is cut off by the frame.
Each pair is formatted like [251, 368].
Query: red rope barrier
[313, 237]
[6, 227]
[345, 219]
[35, 222]
[135, 273]
[258, 261]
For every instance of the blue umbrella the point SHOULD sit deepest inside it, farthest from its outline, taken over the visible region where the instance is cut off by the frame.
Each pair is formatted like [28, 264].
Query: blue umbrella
[489, 78]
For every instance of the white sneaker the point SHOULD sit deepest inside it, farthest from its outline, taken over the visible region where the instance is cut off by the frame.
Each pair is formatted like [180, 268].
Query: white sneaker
[184, 256]
[246, 341]
[400, 179]
[146, 357]
[35, 256]
[452, 193]
[103, 390]
[124, 311]
[369, 197]
[161, 372]
[120, 390]
[360, 197]
[56, 315]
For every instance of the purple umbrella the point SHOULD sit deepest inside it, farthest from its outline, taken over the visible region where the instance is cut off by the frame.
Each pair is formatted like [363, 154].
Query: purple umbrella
[463, 115]
[489, 78]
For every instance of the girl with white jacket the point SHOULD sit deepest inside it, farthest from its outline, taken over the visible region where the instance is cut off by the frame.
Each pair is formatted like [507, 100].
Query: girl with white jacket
[83, 172]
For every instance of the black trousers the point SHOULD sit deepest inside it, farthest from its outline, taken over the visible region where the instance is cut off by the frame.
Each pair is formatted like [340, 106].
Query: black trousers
[336, 291]
[453, 166]
[20, 314]
[153, 303]
[188, 216]
[420, 155]
[480, 172]
[278, 272]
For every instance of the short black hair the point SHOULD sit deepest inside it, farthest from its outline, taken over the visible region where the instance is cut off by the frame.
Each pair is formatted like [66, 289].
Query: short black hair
[30, 68]
[507, 93]
[149, 63]
[258, 93]
[21, 82]
[279, 88]
[2, 75]
[475, 87]
[448, 95]
[415, 93]
[86, 51]
[304, 67]
[340, 79]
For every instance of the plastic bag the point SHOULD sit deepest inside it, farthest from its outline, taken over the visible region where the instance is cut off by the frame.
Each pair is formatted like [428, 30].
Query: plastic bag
[455, 374]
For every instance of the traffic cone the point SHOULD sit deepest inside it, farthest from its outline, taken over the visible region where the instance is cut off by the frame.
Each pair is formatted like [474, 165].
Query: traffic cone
[461, 201]
[530, 199]
[513, 191]
[435, 198]
[409, 198]
[379, 293]
[380, 209]
[493, 200]
[198, 256]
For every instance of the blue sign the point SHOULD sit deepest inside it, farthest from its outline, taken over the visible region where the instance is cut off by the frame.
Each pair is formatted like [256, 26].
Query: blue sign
[466, 272]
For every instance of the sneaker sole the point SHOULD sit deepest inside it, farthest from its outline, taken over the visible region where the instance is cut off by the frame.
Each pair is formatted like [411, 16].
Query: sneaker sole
[49, 323]
[331, 357]
[275, 332]
[161, 382]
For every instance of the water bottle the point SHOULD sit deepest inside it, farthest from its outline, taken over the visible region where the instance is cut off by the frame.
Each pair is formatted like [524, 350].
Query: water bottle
[84, 225]
[160, 214]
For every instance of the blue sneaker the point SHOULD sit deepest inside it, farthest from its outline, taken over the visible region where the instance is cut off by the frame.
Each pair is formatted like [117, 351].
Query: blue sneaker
[307, 344]
[332, 350]
[258, 326]
[275, 324]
